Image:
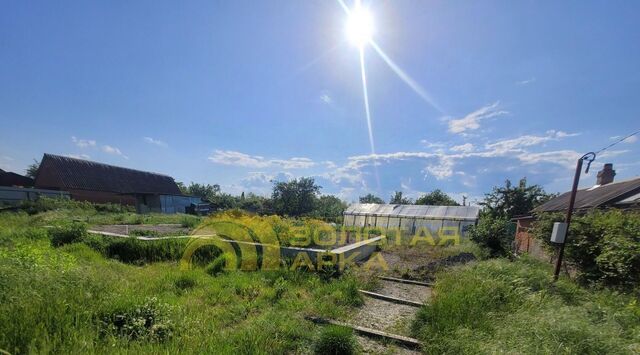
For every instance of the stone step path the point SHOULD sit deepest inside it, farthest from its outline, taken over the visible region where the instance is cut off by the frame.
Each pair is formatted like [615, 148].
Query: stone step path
[390, 309]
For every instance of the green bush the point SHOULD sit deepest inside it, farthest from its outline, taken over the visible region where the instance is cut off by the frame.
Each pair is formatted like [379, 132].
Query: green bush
[71, 233]
[603, 245]
[148, 320]
[494, 234]
[335, 340]
[185, 282]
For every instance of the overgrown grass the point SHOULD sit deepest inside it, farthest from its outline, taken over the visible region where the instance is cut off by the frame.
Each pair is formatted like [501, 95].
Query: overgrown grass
[335, 340]
[104, 295]
[497, 305]
[46, 211]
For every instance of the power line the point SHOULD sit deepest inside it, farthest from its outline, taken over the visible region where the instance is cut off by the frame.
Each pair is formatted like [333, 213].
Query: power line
[618, 141]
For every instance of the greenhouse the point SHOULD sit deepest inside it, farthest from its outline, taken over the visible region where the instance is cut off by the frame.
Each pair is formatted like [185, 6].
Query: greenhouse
[411, 218]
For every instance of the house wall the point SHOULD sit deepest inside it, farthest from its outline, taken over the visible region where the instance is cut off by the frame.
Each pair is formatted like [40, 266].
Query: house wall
[102, 197]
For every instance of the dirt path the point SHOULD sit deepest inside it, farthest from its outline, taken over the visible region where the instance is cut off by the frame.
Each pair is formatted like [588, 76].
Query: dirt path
[389, 317]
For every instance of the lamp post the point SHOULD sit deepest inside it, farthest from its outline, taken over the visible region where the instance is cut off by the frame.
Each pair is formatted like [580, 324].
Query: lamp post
[589, 158]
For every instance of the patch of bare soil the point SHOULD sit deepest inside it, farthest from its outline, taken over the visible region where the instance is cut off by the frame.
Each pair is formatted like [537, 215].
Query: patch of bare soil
[427, 272]
[419, 264]
[157, 229]
[372, 346]
[407, 291]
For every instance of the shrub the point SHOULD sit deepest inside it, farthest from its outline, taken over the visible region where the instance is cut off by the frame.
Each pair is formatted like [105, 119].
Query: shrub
[603, 245]
[71, 233]
[147, 320]
[185, 282]
[335, 340]
[494, 234]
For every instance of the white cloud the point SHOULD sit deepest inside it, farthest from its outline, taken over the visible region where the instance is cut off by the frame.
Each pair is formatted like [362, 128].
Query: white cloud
[517, 144]
[465, 148]
[442, 169]
[83, 143]
[628, 140]
[565, 158]
[437, 146]
[329, 164]
[113, 150]
[229, 157]
[326, 99]
[154, 141]
[79, 156]
[471, 121]
[441, 165]
[527, 81]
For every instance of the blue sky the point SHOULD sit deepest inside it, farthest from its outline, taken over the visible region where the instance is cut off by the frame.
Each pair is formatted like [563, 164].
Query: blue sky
[243, 92]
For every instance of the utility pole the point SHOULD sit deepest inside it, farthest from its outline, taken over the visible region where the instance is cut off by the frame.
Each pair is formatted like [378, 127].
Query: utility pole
[589, 158]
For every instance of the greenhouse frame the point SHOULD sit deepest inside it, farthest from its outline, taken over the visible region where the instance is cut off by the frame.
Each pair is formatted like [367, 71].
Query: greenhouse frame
[411, 218]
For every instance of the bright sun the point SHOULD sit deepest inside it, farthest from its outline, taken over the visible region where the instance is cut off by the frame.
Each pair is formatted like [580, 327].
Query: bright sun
[359, 26]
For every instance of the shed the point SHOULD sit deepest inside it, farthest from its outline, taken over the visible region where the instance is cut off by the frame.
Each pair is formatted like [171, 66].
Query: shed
[103, 183]
[8, 178]
[411, 218]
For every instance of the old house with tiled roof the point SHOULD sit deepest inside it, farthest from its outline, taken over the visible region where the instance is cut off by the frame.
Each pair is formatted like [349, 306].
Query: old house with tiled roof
[603, 195]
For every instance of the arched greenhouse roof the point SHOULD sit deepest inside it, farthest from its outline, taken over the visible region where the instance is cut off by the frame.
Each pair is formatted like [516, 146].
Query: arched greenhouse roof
[416, 211]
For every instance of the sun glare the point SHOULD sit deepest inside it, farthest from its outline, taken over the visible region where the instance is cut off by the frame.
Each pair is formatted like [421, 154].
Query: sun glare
[359, 26]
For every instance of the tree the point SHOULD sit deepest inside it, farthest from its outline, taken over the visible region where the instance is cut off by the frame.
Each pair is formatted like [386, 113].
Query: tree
[183, 189]
[371, 198]
[32, 169]
[436, 198]
[397, 199]
[510, 201]
[495, 231]
[206, 192]
[223, 201]
[296, 197]
[329, 206]
[254, 203]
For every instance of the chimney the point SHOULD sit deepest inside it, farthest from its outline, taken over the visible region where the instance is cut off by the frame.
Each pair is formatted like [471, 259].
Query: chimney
[605, 176]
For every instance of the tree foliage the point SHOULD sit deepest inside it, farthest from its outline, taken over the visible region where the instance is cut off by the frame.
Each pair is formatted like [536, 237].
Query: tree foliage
[603, 245]
[509, 201]
[32, 169]
[493, 234]
[398, 199]
[296, 197]
[436, 197]
[495, 231]
[328, 207]
[371, 198]
[205, 191]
